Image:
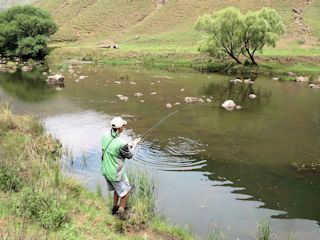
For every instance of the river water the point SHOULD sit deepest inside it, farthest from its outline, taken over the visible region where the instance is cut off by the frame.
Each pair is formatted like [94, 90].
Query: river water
[212, 166]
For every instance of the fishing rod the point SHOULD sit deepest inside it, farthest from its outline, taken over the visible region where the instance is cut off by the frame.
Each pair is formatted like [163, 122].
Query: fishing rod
[154, 126]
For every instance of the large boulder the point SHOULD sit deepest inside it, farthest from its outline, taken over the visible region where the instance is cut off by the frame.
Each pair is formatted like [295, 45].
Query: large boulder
[193, 100]
[228, 105]
[56, 79]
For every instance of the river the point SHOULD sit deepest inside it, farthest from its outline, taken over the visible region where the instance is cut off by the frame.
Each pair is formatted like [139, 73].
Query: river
[230, 168]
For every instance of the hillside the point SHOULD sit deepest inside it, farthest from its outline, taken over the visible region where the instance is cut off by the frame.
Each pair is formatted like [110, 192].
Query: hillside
[4, 4]
[163, 21]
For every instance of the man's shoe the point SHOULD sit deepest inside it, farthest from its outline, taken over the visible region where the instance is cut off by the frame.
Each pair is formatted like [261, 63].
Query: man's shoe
[115, 210]
[122, 215]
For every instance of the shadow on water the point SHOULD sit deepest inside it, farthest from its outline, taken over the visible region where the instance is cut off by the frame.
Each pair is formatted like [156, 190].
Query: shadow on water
[26, 86]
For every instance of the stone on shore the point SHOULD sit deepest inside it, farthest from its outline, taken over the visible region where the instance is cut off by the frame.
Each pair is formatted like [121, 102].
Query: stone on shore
[302, 79]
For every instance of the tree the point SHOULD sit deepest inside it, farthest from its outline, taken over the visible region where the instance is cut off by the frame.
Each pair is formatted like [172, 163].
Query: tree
[24, 31]
[231, 33]
[224, 29]
[262, 28]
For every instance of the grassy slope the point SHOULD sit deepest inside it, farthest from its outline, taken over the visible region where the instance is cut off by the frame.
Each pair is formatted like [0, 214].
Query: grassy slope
[165, 35]
[38, 202]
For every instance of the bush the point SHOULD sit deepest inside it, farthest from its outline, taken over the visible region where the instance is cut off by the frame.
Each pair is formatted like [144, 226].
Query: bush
[24, 31]
[9, 179]
[44, 206]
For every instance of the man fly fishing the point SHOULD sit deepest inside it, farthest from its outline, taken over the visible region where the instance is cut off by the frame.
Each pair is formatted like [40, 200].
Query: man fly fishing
[114, 152]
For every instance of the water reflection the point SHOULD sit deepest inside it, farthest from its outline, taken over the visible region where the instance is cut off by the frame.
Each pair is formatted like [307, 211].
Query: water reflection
[26, 86]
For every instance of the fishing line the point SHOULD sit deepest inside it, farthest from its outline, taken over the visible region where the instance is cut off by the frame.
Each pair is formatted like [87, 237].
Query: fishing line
[154, 126]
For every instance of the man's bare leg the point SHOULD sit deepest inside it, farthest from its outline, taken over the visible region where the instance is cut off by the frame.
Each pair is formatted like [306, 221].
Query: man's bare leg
[123, 202]
[115, 199]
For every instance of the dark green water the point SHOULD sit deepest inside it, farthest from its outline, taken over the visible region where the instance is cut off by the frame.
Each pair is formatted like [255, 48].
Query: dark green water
[211, 165]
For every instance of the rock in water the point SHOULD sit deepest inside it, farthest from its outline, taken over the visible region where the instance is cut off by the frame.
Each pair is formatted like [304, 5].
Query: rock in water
[208, 100]
[238, 107]
[138, 94]
[275, 79]
[193, 100]
[26, 68]
[56, 79]
[252, 96]
[228, 105]
[168, 105]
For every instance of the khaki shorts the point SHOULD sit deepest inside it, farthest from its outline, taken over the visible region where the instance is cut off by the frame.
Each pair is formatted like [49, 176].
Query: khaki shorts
[121, 187]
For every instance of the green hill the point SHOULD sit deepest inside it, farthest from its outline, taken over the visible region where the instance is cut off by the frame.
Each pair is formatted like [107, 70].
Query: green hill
[159, 21]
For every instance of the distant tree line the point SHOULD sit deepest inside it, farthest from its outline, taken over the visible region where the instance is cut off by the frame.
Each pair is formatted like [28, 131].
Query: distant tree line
[24, 32]
[230, 33]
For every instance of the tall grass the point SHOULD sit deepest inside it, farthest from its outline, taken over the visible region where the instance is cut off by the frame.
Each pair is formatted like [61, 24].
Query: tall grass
[264, 229]
[142, 202]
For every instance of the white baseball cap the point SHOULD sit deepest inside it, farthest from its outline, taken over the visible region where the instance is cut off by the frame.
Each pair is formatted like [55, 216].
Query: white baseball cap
[117, 122]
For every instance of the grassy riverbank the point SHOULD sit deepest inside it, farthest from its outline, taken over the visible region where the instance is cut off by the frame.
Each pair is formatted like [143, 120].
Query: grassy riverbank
[188, 58]
[38, 202]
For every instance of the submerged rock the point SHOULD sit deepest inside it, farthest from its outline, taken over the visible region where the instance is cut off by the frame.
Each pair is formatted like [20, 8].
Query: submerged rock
[193, 100]
[252, 96]
[275, 79]
[228, 105]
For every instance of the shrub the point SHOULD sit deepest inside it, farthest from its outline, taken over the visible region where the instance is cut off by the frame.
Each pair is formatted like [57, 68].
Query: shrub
[45, 206]
[9, 179]
[24, 31]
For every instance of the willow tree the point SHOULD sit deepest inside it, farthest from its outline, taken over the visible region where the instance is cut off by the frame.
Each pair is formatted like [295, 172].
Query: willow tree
[230, 33]
[224, 33]
[262, 28]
